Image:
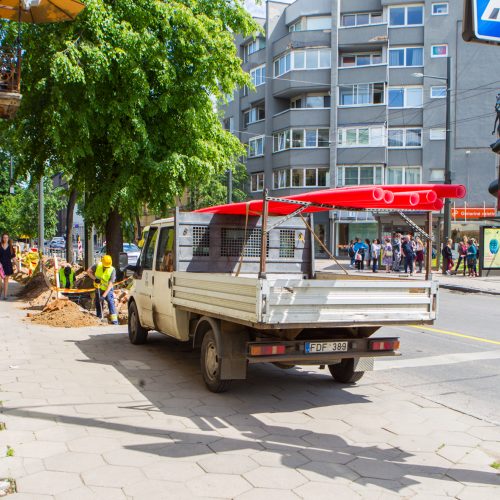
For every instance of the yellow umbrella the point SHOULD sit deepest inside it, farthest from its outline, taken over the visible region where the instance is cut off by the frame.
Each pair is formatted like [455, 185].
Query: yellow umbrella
[40, 11]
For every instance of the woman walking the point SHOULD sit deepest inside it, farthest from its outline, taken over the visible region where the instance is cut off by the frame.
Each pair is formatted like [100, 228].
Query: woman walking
[447, 257]
[396, 252]
[7, 257]
[368, 254]
[408, 254]
[462, 254]
[387, 255]
[420, 254]
[472, 259]
[375, 252]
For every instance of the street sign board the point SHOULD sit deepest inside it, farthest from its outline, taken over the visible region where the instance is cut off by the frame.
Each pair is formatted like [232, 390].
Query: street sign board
[482, 21]
[473, 212]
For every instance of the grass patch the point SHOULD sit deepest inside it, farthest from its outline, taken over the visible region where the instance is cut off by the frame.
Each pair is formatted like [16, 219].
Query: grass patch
[495, 465]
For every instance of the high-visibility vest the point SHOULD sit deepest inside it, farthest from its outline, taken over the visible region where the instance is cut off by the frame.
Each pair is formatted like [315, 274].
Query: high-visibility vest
[63, 281]
[104, 274]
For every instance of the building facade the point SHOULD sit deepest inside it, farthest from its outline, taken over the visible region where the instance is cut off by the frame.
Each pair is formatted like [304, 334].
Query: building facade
[353, 92]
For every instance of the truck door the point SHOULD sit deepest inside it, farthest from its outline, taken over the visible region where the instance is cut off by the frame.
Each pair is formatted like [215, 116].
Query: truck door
[162, 293]
[144, 279]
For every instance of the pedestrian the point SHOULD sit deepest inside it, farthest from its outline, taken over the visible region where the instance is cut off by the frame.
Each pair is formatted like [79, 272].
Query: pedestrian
[368, 253]
[359, 252]
[104, 276]
[387, 255]
[375, 253]
[419, 251]
[7, 263]
[408, 254]
[351, 253]
[472, 258]
[396, 252]
[447, 257]
[462, 254]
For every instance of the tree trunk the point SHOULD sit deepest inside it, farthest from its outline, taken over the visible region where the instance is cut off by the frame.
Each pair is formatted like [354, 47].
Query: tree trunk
[114, 237]
[70, 210]
[139, 229]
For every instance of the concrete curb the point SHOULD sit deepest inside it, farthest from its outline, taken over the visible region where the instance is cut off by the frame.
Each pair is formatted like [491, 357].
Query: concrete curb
[466, 289]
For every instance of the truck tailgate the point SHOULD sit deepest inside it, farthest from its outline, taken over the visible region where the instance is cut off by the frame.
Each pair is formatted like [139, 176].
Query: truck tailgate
[348, 302]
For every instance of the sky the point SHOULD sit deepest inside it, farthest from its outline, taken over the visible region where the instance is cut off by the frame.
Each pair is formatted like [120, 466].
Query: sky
[259, 10]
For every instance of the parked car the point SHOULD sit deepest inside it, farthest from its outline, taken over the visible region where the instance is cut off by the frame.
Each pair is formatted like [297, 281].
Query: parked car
[57, 243]
[131, 249]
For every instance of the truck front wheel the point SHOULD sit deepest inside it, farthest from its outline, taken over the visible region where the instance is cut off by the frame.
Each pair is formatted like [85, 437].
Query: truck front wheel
[344, 373]
[210, 364]
[136, 333]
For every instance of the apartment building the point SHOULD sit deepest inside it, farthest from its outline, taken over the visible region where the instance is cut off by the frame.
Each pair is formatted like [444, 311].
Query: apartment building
[353, 92]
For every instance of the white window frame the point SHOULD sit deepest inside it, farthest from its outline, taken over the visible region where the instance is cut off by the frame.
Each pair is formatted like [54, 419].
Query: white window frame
[304, 174]
[404, 169]
[437, 134]
[440, 13]
[253, 116]
[405, 65]
[405, 137]
[356, 25]
[292, 67]
[258, 185]
[280, 175]
[357, 85]
[437, 175]
[343, 132]
[255, 45]
[304, 98]
[359, 54]
[253, 75]
[255, 140]
[289, 139]
[405, 96]
[405, 7]
[434, 87]
[437, 56]
[377, 179]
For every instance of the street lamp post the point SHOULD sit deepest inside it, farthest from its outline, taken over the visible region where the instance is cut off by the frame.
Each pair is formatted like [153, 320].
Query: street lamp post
[447, 156]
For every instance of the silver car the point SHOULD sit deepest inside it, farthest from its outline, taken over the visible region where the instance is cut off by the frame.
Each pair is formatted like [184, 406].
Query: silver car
[131, 249]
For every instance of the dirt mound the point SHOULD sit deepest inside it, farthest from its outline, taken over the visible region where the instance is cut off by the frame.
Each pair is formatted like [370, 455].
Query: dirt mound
[65, 314]
[34, 287]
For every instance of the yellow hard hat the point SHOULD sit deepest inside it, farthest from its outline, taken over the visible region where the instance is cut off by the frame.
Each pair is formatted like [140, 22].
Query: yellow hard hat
[107, 261]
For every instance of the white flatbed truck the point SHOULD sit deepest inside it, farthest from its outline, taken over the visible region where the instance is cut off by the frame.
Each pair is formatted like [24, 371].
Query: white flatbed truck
[199, 279]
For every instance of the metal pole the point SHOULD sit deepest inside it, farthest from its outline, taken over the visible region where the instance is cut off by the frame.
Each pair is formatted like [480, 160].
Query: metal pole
[229, 186]
[41, 217]
[428, 264]
[11, 176]
[447, 159]
[263, 241]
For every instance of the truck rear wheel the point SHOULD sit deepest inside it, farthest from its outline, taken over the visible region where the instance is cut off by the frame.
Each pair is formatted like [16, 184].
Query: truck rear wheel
[136, 333]
[210, 364]
[344, 373]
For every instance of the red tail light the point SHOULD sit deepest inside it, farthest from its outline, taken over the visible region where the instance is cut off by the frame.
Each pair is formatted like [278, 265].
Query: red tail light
[266, 350]
[384, 345]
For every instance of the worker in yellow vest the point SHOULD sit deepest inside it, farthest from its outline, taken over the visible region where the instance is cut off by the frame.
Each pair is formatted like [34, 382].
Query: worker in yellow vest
[66, 277]
[104, 276]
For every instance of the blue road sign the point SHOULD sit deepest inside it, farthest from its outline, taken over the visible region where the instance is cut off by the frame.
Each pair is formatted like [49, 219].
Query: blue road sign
[487, 20]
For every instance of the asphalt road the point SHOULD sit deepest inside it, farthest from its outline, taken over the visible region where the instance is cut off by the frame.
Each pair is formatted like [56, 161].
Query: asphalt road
[456, 362]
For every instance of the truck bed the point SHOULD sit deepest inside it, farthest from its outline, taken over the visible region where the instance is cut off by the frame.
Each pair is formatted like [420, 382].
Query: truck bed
[285, 302]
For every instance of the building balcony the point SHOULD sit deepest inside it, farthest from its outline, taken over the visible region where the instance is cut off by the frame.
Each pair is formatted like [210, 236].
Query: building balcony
[408, 35]
[303, 117]
[410, 157]
[358, 155]
[301, 157]
[257, 95]
[299, 9]
[255, 59]
[361, 115]
[302, 39]
[295, 82]
[410, 117]
[362, 74]
[254, 129]
[361, 6]
[362, 37]
[10, 84]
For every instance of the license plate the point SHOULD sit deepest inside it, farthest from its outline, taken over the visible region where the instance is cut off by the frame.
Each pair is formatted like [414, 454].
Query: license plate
[319, 347]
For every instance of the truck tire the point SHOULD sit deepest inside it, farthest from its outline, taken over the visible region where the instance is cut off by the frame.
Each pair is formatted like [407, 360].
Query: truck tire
[344, 373]
[210, 366]
[136, 332]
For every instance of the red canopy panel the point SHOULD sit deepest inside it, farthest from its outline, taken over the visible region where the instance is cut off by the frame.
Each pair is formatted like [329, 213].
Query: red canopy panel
[422, 197]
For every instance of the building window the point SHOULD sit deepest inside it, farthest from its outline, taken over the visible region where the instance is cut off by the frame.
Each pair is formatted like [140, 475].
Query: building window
[360, 137]
[405, 97]
[440, 9]
[303, 59]
[440, 50]
[437, 175]
[406, 56]
[253, 115]
[310, 101]
[363, 59]
[281, 178]
[256, 146]
[437, 134]
[313, 23]
[252, 47]
[400, 138]
[358, 175]
[361, 94]
[361, 19]
[300, 177]
[257, 182]
[258, 75]
[438, 92]
[229, 124]
[411, 15]
[404, 175]
[299, 138]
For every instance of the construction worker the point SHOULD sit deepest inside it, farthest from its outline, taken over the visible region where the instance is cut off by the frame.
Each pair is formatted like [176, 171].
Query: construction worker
[104, 276]
[66, 277]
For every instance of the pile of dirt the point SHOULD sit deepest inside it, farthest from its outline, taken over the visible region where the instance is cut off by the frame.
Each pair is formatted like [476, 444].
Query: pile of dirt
[65, 314]
[34, 287]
